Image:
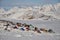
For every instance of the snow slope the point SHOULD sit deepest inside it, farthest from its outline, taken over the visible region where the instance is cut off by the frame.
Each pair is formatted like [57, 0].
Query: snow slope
[45, 12]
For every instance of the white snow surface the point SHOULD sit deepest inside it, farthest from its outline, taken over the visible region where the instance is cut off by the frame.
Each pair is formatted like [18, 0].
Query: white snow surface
[30, 35]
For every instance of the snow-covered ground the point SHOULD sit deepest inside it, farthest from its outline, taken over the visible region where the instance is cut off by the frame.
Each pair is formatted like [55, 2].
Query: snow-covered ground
[21, 35]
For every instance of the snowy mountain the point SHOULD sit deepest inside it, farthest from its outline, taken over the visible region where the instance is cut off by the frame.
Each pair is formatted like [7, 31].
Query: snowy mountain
[45, 12]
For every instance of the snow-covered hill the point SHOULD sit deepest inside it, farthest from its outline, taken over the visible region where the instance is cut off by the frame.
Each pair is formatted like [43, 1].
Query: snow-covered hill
[45, 12]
